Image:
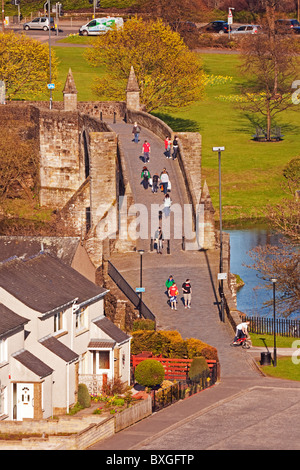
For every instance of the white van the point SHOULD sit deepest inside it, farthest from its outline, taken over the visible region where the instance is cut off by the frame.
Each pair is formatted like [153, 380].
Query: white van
[100, 26]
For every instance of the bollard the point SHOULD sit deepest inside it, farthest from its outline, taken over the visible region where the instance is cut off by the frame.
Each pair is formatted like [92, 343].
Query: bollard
[183, 243]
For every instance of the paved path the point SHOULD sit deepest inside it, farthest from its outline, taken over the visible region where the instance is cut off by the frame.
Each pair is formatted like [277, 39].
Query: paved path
[202, 321]
[244, 410]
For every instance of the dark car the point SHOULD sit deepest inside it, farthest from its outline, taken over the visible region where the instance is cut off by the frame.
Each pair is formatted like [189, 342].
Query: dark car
[218, 26]
[287, 25]
[184, 26]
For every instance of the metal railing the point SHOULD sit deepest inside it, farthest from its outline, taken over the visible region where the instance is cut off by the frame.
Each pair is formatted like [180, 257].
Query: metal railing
[129, 292]
[182, 389]
[283, 326]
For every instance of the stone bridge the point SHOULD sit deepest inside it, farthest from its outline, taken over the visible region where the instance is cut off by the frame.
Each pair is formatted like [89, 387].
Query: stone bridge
[90, 171]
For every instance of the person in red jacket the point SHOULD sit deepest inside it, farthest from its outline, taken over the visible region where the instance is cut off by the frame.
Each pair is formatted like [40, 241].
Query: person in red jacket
[146, 149]
[168, 147]
[173, 292]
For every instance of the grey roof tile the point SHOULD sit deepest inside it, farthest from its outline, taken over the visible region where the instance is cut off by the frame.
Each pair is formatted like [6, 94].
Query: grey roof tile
[44, 283]
[111, 330]
[59, 349]
[10, 320]
[33, 363]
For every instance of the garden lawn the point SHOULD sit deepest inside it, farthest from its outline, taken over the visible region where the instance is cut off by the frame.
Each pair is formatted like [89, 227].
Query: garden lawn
[251, 171]
[83, 73]
[285, 369]
[268, 341]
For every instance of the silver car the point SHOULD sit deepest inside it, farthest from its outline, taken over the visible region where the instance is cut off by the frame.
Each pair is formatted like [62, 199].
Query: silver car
[41, 22]
[247, 29]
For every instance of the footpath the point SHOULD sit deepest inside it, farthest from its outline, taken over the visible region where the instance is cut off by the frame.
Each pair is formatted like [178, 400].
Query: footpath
[244, 410]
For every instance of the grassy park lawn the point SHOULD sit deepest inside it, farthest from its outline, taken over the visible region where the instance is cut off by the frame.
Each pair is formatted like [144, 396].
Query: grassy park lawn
[251, 171]
[285, 369]
[268, 340]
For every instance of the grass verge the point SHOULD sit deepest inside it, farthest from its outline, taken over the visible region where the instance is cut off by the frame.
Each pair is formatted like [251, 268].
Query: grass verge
[285, 369]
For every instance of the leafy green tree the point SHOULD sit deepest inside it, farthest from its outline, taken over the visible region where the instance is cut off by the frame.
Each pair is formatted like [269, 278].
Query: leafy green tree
[168, 74]
[24, 66]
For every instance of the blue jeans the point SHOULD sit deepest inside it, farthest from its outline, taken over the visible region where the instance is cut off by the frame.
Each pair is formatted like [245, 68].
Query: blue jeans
[136, 137]
[165, 185]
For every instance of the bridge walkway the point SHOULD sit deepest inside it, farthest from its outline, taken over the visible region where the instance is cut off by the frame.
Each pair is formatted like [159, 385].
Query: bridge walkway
[202, 321]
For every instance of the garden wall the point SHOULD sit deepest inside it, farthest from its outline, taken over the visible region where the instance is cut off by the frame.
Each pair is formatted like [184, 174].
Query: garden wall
[86, 430]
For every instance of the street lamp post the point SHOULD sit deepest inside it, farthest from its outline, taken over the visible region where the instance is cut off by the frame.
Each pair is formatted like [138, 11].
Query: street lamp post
[274, 329]
[141, 252]
[221, 276]
[50, 72]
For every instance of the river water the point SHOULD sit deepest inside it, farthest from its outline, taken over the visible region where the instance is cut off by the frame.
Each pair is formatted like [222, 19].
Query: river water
[253, 294]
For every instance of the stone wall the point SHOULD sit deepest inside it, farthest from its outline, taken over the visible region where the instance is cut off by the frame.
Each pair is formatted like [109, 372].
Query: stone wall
[80, 431]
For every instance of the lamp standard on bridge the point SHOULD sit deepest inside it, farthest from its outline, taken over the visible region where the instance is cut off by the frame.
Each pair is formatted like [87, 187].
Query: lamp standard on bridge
[221, 275]
[141, 252]
[274, 329]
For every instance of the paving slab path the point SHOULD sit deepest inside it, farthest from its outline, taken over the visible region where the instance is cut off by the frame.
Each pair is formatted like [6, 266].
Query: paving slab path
[244, 410]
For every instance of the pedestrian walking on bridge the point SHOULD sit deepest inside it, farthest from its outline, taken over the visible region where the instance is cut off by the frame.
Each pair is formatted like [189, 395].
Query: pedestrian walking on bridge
[145, 175]
[136, 132]
[187, 293]
[146, 149]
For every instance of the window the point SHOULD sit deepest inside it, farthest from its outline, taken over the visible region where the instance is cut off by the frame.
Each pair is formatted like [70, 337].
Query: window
[58, 322]
[3, 350]
[101, 361]
[81, 319]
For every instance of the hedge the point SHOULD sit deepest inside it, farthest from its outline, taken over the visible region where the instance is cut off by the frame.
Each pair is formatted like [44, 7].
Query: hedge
[170, 344]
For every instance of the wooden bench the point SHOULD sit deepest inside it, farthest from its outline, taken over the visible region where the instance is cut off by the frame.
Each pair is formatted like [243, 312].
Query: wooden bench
[261, 134]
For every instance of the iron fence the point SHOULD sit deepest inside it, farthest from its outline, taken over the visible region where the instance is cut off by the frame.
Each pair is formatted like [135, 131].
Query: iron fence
[184, 388]
[283, 326]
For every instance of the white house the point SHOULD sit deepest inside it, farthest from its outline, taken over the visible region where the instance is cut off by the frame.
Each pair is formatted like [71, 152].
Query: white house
[53, 331]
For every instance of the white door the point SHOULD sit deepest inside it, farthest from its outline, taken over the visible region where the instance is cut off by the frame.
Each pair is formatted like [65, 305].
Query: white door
[24, 401]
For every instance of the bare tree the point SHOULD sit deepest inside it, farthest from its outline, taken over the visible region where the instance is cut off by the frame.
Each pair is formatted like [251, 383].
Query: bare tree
[270, 63]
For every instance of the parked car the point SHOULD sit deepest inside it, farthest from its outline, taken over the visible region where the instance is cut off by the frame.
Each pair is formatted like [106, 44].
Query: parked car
[100, 26]
[292, 26]
[42, 22]
[247, 29]
[185, 26]
[218, 26]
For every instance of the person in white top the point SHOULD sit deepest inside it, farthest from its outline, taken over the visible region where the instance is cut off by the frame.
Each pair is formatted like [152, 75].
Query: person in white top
[164, 179]
[241, 330]
[167, 205]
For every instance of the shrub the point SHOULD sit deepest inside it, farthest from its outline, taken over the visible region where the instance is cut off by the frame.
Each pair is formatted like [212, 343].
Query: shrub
[114, 387]
[144, 324]
[198, 369]
[170, 345]
[84, 398]
[149, 373]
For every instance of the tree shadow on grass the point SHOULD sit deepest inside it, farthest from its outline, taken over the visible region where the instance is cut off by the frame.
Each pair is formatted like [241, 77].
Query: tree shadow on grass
[252, 122]
[179, 124]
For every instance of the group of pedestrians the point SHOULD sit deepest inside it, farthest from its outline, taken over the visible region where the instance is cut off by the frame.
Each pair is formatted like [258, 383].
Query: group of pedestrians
[168, 147]
[173, 292]
[161, 181]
